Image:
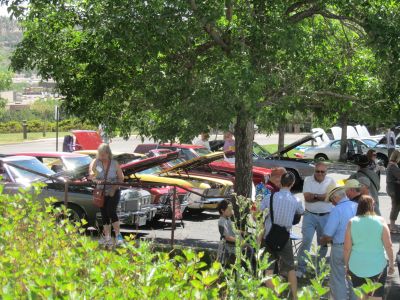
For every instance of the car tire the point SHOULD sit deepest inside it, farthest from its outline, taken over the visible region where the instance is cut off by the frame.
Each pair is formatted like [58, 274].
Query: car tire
[298, 182]
[383, 159]
[194, 211]
[321, 157]
[76, 213]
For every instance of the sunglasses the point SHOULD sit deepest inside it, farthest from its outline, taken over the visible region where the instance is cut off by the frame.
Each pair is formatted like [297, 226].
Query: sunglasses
[320, 172]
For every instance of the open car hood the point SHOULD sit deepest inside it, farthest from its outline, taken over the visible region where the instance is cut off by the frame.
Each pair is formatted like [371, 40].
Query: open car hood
[87, 139]
[147, 163]
[297, 143]
[195, 162]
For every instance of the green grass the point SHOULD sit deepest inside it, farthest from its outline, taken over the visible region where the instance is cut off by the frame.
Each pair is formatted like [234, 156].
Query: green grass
[274, 147]
[11, 138]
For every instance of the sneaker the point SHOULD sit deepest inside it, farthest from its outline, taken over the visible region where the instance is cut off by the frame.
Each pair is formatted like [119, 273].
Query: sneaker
[105, 241]
[119, 240]
[300, 274]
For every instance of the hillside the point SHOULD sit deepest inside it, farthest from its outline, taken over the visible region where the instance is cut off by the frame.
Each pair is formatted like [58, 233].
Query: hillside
[10, 36]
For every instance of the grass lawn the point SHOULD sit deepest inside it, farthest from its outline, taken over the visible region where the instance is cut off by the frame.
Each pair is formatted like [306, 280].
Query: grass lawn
[11, 138]
[274, 147]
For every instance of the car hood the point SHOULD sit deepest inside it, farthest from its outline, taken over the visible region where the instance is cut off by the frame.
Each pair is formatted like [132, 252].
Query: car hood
[87, 139]
[224, 165]
[195, 162]
[147, 163]
[297, 143]
[162, 180]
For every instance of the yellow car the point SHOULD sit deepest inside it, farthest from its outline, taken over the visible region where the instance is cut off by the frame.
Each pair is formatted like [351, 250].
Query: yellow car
[212, 187]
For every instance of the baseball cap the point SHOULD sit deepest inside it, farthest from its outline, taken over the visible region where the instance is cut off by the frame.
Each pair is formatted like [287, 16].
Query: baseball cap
[352, 184]
[364, 181]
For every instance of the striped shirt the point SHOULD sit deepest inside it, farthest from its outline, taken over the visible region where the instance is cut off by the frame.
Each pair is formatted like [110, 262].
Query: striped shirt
[285, 206]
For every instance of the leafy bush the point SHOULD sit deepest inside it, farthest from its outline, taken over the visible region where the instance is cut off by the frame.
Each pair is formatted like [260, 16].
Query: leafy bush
[45, 256]
[37, 126]
[42, 256]
[10, 127]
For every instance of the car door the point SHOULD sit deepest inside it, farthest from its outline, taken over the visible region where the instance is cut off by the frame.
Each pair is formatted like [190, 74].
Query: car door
[333, 152]
[9, 185]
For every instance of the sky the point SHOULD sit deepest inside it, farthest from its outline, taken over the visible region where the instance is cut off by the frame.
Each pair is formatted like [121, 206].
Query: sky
[3, 10]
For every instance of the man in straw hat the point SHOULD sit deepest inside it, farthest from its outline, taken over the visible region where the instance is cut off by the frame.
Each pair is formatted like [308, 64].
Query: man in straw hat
[334, 232]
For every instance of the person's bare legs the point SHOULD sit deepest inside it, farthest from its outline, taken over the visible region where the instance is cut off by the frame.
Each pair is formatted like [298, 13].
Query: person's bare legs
[269, 283]
[116, 228]
[107, 231]
[293, 283]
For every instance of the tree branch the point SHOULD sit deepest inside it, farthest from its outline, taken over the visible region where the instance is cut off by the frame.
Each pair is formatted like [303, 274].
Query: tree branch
[210, 29]
[295, 6]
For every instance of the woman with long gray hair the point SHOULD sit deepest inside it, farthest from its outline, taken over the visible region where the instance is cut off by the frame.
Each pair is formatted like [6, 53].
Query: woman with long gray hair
[105, 168]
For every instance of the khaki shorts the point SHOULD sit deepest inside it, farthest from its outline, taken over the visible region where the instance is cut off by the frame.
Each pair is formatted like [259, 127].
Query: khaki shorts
[284, 258]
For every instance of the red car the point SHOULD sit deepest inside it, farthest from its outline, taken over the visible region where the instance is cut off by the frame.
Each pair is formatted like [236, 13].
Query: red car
[188, 152]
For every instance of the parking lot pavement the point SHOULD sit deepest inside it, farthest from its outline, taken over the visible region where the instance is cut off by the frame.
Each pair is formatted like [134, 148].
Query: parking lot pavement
[202, 230]
[119, 144]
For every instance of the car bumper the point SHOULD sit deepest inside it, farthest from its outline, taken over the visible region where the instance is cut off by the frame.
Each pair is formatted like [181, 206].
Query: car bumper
[137, 218]
[198, 202]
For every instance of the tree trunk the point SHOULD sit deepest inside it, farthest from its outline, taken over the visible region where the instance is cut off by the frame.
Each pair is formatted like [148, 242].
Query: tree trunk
[343, 142]
[281, 136]
[244, 136]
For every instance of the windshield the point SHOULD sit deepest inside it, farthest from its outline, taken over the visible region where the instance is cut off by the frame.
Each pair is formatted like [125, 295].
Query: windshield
[22, 176]
[260, 151]
[202, 151]
[175, 162]
[153, 170]
[71, 163]
[370, 143]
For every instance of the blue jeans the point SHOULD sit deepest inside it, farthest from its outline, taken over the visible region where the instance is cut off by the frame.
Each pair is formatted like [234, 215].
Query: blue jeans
[311, 224]
[341, 287]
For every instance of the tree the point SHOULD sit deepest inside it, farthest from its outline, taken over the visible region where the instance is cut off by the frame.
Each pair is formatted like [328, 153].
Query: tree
[44, 109]
[172, 69]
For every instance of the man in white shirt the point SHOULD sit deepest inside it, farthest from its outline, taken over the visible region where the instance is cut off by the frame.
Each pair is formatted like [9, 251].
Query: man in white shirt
[202, 140]
[316, 213]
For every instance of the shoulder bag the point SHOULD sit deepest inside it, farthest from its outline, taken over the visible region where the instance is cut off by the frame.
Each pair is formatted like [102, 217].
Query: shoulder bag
[278, 236]
[99, 194]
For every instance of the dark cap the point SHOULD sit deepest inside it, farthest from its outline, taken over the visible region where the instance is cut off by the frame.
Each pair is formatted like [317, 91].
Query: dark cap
[362, 161]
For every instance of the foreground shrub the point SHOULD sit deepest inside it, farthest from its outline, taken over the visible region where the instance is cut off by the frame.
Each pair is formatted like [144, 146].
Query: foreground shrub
[43, 257]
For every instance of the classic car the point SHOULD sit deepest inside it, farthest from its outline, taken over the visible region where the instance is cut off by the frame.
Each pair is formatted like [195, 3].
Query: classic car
[203, 184]
[120, 157]
[21, 171]
[261, 158]
[188, 152]
[162, 193]
[331, 150]
[59, 161]
[218, 181]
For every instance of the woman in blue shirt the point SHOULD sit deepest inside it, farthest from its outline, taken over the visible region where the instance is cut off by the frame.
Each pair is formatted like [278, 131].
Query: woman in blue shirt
[367, 238]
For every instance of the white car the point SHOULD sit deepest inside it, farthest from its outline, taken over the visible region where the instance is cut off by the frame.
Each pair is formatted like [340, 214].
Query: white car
[331, 150]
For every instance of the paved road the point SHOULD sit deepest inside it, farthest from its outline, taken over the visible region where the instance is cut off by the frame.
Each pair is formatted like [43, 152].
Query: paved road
[119, 144]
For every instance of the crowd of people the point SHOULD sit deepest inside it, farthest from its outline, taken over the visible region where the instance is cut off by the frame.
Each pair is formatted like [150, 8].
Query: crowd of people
[345, 217]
